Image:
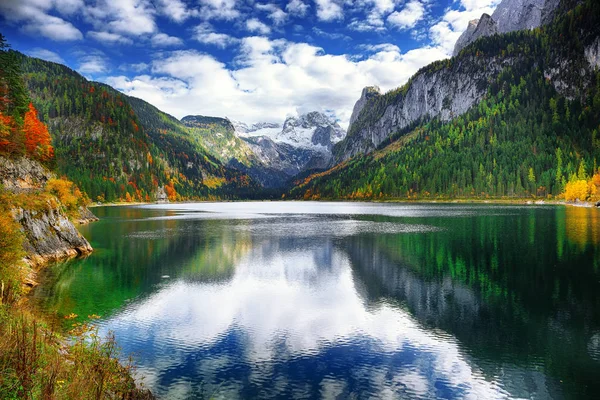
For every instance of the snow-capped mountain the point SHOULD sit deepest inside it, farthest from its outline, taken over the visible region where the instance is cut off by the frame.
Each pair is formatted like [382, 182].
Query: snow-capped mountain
[302, 143]
[313, 130]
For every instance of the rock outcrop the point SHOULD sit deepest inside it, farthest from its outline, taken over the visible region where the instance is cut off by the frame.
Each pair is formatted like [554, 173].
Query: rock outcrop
[592, 54]
[509, 16]
[367, 94]
[518, 15]
[22, 175]
[485, 26]
[432, 92]
[50, 235]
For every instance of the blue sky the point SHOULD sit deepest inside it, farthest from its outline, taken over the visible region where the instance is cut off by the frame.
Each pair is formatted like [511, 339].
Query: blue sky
[246, 60]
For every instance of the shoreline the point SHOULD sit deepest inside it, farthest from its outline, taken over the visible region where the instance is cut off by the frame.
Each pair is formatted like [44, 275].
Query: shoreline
[515, 202]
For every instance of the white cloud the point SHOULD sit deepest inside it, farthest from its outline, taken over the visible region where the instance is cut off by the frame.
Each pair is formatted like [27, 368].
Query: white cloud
[164, 40]
[47, 55]
[273, 78]
[33, 17]
[255, 26]
[329, 10]
[108, 37]
[275, 14]
[68, 7]
[297, 8]
[93, 64]
[408, 17]
[138, 67]
[128, 17]
[204, 33]
[453, 23]
[218, 9]
[176, 10]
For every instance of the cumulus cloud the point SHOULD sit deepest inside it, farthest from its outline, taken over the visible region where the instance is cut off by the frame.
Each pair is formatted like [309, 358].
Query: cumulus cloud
[254, 25]
[297, 8]
[408, 17]
[329, 10]
[218, 9]
[127, 17]
[34, 17]
[45, 54]
[275, 14]
[204, 33]
[93, 64]
[273, 78]
[108, 37]
[176, 10]
[164, 40]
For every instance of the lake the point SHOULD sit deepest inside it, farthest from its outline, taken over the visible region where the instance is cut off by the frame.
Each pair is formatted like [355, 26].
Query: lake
[316, 300]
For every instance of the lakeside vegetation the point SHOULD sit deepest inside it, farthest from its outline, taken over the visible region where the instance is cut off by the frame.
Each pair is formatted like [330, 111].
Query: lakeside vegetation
[38, 360]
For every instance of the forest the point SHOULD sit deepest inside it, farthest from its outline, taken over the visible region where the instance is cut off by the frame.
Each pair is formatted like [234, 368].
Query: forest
[525, 139]
[113, 151]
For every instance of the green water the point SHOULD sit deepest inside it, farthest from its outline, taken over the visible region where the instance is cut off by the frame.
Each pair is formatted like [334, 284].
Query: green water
[345, 300]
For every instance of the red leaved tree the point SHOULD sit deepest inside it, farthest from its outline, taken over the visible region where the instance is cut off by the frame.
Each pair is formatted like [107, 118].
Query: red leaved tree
[37, 139]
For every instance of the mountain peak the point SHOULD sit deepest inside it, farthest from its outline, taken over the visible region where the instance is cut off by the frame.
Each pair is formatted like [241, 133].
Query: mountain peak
[367, 93]
[313, 129]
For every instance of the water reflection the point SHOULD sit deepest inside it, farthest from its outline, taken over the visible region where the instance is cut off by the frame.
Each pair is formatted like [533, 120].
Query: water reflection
[340, 301]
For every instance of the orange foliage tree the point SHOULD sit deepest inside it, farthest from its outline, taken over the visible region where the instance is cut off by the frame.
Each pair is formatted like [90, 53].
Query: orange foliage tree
[171, 193]
[37, 139]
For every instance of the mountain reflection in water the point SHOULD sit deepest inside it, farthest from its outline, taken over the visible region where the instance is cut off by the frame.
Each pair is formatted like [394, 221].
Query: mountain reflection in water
[338, 300]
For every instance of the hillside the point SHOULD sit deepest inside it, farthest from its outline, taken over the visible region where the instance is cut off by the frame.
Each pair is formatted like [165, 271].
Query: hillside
[118, 148]
[534, 129]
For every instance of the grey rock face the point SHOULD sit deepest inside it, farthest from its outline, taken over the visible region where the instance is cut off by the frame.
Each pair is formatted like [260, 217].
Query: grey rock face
[517, 15]
[367, 94]
[592, 54]
[50, 235]
[485, 26]
[450, 91]
[22, 175]
[161, 195]
[509, 16]
[445, 93]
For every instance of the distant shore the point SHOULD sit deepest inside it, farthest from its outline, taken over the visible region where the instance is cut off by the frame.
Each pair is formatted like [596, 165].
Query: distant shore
[522, 202]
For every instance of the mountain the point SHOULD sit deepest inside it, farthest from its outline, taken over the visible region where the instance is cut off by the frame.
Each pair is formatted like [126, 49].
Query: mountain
[116, 147]
[509, 16]
[367, 94]
[513, 115]
[270, 153]
[485, 26]
[449, 88]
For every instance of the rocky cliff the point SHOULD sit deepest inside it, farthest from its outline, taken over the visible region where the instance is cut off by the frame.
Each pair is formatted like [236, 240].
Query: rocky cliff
[367, 94]
[444, 92]
[50, 235]
[509, 16]
[485, 26]
[447, 89]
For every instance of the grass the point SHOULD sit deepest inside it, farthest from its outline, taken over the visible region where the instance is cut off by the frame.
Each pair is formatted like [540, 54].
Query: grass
[37, 360]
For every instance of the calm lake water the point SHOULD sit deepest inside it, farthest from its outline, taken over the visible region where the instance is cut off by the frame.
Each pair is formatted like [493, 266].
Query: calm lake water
[345, 300]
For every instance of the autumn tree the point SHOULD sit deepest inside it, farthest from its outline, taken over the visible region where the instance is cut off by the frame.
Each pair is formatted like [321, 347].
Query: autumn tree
[37, 139]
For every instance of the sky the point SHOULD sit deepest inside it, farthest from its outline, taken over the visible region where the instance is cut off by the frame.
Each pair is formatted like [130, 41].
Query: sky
[246, 60]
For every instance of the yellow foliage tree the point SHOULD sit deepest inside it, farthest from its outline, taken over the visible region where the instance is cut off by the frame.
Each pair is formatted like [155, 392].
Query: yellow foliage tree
[578, 190]
[67, 192]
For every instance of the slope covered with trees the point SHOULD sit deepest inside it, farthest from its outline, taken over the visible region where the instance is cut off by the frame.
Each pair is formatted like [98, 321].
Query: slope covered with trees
[115, 153]
[525, 138]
